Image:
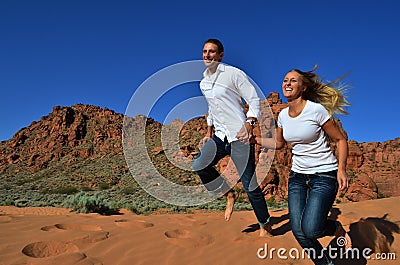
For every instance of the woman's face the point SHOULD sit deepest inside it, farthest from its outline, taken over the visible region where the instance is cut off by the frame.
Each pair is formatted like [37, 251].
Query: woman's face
[292, 86]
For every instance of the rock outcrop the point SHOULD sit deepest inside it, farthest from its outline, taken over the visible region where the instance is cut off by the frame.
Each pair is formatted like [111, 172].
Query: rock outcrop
[78, 131]
[69, 136]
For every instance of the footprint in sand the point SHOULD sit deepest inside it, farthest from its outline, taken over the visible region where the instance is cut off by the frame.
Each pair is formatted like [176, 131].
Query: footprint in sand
[56, 252]
[190, 221]
[44, 249]
[133, 223]
[178, 233]
[78, 227]
[248, 238]
[190, 218]
[80, 233]
[188, 239]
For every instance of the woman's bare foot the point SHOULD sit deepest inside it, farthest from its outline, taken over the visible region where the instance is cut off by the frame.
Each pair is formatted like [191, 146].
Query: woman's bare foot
[231, 197]
[266, 231]
[340, 232]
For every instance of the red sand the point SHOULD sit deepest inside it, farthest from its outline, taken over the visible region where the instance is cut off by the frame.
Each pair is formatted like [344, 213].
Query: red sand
[57, 236]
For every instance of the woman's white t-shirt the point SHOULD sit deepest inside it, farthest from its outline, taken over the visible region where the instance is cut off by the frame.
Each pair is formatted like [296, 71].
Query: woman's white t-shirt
[311, 152]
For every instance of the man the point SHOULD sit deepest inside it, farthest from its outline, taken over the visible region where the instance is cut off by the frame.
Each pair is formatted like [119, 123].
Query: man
[224, 87]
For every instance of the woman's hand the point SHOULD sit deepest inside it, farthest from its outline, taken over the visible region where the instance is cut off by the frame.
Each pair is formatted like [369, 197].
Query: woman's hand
[343, 180]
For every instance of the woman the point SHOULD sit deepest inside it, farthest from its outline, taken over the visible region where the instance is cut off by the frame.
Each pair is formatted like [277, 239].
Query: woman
[316, 174]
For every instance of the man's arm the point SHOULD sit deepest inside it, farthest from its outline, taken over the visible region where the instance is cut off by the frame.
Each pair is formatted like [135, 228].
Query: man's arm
[210, 129]
[248, 92]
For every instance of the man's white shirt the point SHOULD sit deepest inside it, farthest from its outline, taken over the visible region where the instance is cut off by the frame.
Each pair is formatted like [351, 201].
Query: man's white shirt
[224, 91]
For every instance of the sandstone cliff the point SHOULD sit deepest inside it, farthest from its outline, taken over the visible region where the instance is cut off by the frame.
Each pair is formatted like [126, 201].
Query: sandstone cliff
[81, 146]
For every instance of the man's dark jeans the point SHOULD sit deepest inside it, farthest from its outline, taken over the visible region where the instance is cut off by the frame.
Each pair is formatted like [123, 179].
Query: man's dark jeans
[243, 157]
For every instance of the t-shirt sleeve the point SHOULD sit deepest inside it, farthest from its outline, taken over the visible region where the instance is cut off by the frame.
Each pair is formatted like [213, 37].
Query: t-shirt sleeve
[280, 120]
[321, 114]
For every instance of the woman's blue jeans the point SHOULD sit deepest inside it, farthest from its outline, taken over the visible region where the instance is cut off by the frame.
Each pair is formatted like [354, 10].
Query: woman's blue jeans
[243, 157]
[311, 197]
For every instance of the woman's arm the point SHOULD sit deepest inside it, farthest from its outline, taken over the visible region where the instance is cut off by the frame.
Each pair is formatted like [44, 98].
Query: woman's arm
[341, 143]
[271, 143]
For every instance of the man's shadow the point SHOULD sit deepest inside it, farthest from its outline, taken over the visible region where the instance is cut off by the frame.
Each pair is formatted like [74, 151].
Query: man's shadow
[281, 230]
[369, 236]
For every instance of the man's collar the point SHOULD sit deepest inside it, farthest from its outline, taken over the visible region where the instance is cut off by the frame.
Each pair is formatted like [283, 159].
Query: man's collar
[220, 68]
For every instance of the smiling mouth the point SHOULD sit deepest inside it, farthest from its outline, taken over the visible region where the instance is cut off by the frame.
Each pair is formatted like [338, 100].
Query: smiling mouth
[288, 89]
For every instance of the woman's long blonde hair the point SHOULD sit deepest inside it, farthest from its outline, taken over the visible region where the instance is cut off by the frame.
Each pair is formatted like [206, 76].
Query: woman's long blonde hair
[330, 95]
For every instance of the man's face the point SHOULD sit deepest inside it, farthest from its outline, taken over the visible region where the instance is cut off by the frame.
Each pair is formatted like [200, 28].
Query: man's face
[211, 56]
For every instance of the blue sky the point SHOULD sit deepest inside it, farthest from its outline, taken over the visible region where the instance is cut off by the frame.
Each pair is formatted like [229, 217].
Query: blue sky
[99, 52]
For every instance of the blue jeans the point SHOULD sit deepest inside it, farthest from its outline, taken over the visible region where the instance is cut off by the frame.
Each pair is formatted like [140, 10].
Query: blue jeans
[242, 156]
[311, 197]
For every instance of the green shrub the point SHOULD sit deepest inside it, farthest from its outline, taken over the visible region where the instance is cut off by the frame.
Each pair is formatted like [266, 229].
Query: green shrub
[128, 190]
[9, 202]
[381, 196]
[21, 202]
[83, 203]
[104, 186]
[86, 188]
[65, 190]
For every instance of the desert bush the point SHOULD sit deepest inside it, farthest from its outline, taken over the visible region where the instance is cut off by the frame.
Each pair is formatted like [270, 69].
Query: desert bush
[65, 190]
[21, 202]
[381, 196]
[104, 186]
[83, 203]
[86, 188]
[8, 202]
[128, 190]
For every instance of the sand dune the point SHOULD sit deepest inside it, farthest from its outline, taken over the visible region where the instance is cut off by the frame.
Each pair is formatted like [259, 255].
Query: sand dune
[57, 236]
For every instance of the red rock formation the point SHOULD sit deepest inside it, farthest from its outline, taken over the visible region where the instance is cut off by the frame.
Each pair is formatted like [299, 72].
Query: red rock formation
[85, 132]
[362, 188]
[380, 162]
[80, 131]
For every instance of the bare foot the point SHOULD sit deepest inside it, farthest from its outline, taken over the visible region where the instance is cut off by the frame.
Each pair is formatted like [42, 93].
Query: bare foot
[266, 231]
[340, 232]
[231, 199]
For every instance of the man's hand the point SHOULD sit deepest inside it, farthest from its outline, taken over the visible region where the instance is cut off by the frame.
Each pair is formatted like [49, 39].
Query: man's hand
[204, 141]
[246, 133]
